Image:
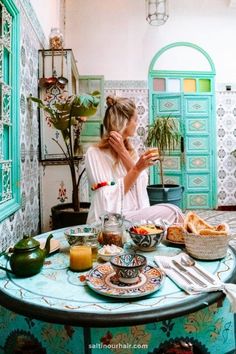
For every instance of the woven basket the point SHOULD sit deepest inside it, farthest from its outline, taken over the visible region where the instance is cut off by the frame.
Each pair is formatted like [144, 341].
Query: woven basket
[206, 247]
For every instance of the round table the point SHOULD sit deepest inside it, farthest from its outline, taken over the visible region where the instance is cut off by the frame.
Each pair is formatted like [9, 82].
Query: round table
[59, 298]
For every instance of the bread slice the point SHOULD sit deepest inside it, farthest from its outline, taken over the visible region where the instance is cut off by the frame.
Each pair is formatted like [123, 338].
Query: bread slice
[198, 226]
[196, 223]
[175, 233]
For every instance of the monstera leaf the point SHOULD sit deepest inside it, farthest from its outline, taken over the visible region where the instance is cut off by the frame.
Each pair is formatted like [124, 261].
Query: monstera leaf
[85, 105]
[68, 114]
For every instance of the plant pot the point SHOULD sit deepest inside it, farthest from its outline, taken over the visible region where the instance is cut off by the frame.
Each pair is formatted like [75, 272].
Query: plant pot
[63, 215]
[172, 193]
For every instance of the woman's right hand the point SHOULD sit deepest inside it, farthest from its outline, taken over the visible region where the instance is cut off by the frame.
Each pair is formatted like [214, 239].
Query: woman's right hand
[147, 159]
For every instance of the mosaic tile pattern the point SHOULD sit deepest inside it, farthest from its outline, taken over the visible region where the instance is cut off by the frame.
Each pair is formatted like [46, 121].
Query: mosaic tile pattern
[226, 143]
[226, 131]
[126, 84]
[26, 219]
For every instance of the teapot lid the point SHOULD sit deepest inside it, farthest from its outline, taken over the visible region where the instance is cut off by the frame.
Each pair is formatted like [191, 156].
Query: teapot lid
[112, 219]
[26, 243]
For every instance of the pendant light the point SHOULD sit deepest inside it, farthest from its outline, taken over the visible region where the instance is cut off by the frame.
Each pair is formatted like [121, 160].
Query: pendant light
[157, 12]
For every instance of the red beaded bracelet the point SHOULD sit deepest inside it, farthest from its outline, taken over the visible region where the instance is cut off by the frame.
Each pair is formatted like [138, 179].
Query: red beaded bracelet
[102, 184]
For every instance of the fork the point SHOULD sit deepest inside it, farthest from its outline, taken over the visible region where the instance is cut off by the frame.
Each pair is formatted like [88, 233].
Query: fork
[166, 265]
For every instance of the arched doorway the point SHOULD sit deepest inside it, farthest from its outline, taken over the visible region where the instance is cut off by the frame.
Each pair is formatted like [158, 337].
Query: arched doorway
[181, 85]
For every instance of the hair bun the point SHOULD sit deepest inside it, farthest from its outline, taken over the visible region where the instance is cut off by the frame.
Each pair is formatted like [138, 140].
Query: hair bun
[111, 100]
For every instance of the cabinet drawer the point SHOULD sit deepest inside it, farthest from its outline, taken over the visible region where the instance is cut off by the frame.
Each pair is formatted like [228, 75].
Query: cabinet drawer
[197, 144]
[198, 201]
[197, 106]
[167, 105]
[198, 181]
[172, 163]
[197, 125]
[198, 163]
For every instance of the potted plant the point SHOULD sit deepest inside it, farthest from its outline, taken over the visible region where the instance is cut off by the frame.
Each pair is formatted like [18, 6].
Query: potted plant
[68, 115]
[165, 135]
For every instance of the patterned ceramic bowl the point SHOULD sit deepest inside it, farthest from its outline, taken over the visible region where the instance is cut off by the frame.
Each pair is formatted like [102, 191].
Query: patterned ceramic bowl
[128, 267]
[148, 241]
[82, 235]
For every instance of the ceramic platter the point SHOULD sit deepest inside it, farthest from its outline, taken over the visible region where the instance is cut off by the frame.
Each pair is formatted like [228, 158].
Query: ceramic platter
[104, 281]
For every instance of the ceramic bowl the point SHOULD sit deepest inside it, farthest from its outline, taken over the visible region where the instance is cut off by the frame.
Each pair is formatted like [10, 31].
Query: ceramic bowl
[147, 242]
[107, 252]
[82, 235]
[128, 266]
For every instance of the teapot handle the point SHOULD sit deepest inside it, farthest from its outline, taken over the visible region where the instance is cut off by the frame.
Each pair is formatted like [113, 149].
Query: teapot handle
[7, 270]
[4, 253]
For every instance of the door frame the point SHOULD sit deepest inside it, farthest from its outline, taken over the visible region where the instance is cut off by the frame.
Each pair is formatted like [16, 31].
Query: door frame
[180, 74]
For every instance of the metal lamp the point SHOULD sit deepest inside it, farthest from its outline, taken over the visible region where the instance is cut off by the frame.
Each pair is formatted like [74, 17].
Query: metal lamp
[157, 12]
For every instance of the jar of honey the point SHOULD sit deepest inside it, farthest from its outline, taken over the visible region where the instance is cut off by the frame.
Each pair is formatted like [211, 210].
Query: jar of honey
[112, 229]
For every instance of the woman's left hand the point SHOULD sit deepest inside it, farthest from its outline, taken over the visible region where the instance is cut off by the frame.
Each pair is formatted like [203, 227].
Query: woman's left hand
[117, 143]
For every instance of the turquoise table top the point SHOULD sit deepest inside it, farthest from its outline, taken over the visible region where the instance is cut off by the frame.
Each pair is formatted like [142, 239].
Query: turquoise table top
[59, 295]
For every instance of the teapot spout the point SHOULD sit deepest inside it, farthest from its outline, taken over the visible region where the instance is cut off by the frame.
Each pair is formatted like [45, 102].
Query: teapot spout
[47, 245]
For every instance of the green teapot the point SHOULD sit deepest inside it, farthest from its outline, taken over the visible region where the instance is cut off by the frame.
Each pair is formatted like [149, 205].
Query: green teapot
[27, 257]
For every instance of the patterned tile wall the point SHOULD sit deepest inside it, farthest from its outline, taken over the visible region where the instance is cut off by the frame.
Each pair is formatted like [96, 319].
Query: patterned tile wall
[226, 143]
[226, 131]
[26, 219]
[55, 180]
[138, 91]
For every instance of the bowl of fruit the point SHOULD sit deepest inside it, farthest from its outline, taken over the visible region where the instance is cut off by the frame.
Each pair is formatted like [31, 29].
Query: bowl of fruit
[146, 236]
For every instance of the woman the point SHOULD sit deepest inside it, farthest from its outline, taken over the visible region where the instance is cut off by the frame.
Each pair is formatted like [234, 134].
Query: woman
[117, 175]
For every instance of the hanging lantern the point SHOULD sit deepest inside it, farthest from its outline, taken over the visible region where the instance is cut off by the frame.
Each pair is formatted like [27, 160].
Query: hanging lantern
[157, 12]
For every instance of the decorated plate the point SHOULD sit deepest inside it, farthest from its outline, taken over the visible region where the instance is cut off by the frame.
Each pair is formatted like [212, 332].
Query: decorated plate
[104, 281]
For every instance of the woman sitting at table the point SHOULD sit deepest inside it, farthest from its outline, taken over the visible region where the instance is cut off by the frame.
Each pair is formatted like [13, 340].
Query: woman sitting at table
[117, 175]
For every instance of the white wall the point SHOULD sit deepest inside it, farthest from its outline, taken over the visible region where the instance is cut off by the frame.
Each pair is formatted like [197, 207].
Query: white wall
[114, 39]
[48, 13]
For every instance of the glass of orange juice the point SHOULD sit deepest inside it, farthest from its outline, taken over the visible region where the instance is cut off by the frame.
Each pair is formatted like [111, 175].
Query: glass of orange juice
[80, 258]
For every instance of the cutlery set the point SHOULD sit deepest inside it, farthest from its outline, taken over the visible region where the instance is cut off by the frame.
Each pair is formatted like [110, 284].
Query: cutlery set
[180, 268]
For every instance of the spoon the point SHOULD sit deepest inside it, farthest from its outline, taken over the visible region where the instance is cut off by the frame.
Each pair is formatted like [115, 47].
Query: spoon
[189, 262]
[62, 80]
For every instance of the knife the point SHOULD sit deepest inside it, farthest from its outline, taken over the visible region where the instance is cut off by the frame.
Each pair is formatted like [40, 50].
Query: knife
[181, 268]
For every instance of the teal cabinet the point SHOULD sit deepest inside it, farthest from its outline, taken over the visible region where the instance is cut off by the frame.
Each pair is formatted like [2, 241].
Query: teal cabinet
[93, 128]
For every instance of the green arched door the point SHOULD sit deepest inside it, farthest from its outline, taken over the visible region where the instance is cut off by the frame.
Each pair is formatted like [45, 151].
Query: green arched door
[188, 96]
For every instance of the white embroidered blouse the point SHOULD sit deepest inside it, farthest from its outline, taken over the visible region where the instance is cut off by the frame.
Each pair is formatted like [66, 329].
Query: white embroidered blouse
[100, 167]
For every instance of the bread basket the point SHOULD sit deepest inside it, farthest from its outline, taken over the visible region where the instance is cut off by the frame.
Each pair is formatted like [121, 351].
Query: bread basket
[206, 247]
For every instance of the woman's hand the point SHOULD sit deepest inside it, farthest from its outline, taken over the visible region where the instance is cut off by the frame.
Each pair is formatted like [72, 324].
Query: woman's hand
[147, 159]
[117, 143]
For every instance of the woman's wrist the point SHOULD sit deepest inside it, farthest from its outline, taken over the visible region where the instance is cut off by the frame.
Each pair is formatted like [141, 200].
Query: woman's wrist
[131, 178]
[126, 160]
[136, 170]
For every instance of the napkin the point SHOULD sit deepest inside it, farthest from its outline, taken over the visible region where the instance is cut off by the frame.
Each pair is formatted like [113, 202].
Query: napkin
[228, 289]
